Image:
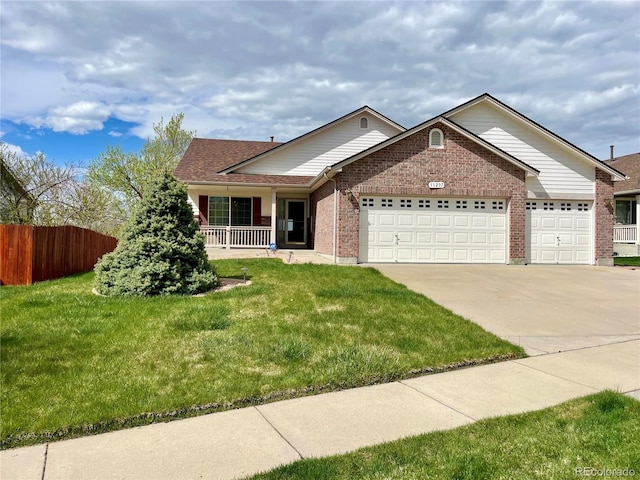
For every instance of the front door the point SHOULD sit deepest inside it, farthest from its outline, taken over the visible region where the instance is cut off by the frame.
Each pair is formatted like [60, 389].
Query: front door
[295, 226]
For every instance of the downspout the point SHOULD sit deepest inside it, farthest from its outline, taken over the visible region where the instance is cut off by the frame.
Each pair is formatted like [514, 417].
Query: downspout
[335, 216]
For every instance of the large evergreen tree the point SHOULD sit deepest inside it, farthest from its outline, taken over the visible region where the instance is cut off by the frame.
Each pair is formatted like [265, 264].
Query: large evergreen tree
[161, 251]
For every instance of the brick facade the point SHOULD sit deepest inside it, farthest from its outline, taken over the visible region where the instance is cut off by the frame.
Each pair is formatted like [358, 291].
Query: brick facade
[405, 168]
[604, 218]
[322, 213]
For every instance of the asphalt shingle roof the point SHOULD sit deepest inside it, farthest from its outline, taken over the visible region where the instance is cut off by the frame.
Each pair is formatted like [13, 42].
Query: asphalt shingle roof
[630, 166]
[205, 158]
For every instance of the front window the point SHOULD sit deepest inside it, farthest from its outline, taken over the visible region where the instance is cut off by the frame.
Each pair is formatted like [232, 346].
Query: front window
[238, 209]
[240, 212]
[219, 211]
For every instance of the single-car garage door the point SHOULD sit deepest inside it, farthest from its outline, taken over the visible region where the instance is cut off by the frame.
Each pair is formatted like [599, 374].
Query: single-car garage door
[558, 231]
[432, 230]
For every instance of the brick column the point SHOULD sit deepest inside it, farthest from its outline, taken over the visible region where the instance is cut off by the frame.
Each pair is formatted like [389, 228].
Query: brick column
[604, 217]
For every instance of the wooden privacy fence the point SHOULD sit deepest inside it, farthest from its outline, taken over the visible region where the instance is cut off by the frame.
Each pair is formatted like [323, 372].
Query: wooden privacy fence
[31, 254]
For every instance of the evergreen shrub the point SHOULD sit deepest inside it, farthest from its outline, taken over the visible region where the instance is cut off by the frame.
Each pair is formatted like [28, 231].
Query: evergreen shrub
[161, 251]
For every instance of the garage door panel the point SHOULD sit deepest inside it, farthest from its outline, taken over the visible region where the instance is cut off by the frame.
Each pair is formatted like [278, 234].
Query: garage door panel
[461, 238]
[443, 237]
[443, 221]
[405, 220]
[566, 223]
[498, 221]
[480, 255]
[386, 219]
[480, 238]
[461, 255]
[461, 221]
[478, 221]
[583, 224]
[442, 254]
[583, 240]
[424, 220]
[548, 222]
[424, 238]
[423, 254]
[497, 239]
[386, 237]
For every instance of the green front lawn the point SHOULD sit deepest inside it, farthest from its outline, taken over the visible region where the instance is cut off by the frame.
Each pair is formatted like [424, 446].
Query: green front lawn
[595, 436]
[627, 261]
[75, 363]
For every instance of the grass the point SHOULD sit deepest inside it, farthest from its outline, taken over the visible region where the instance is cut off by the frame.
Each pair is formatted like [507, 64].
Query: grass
[592, 433]
[627, 261]
[74, 363]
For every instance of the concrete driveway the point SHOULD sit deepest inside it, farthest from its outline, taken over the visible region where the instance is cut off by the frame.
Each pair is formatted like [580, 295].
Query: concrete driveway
[545, 309]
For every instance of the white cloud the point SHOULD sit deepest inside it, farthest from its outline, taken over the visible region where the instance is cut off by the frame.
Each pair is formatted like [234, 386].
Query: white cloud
[77, 118]
[277, 68]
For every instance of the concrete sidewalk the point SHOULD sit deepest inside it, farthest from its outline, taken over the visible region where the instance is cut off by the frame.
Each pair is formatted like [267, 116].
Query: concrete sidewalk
[242, 442]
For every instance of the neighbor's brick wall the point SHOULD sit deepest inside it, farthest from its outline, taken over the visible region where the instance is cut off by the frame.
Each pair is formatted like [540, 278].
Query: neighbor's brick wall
[406, 167]
[604, 218]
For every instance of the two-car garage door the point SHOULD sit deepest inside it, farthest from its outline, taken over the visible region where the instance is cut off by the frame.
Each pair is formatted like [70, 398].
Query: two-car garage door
[432, 230]
[468, 230]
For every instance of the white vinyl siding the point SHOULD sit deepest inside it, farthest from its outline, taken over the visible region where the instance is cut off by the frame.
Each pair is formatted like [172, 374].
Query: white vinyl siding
[309, 156]
[562, 173]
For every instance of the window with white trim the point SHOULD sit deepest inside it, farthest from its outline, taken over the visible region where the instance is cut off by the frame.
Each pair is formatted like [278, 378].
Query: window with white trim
[238, 209]
[436, 138]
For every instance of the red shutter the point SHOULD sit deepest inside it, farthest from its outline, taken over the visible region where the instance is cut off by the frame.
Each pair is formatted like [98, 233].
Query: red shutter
[203, 205]
[257, 211]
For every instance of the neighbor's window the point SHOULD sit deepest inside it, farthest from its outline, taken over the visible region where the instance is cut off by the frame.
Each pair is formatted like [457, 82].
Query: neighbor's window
[364, 123]
[625, 212]
[436, 139]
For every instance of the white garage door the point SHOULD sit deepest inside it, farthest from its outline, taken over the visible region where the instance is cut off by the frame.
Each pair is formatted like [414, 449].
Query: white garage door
[432, 230]
[558, 231]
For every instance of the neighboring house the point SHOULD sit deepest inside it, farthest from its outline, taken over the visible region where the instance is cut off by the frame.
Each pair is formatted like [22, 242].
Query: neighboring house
[480, 183]
[626, 232]
[16, 204]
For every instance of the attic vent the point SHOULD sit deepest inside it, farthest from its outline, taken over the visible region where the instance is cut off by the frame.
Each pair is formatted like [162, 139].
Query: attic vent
[364, 123]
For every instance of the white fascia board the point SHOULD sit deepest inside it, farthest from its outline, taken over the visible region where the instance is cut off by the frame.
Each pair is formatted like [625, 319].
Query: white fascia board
[240, 184]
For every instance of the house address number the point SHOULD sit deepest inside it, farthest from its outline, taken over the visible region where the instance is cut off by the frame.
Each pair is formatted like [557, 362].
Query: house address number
[436, 184]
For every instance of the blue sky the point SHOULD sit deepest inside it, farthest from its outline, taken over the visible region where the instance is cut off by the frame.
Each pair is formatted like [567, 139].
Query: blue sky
[78, 76]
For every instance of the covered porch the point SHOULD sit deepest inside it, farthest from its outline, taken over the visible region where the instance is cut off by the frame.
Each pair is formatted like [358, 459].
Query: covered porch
[252, 217]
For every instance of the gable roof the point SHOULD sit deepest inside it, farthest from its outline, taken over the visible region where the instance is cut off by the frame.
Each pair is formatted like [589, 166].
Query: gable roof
[630, 166]
[205, 157]
[485, 97]
[449, 123]
[348, 116]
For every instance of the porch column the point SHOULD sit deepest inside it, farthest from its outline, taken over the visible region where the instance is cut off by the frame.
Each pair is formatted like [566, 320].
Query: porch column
[273, 216]
[638, 219]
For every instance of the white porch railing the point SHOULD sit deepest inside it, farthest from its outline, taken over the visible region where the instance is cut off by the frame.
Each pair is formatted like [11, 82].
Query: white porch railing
[624, 234]
[237, 237]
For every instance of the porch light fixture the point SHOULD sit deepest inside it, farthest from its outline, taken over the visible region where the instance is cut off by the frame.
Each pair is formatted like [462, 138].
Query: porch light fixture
[244, 273]
[349, 195]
